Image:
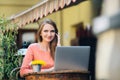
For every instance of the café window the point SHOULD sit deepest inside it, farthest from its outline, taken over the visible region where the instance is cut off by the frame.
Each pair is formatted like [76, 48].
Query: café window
[25, 37]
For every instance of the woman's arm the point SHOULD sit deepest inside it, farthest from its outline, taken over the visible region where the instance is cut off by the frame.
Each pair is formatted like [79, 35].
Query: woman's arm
[47, 70]
[26, 68]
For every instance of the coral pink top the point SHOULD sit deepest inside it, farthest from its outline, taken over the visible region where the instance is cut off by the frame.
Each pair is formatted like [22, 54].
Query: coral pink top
[35, 53]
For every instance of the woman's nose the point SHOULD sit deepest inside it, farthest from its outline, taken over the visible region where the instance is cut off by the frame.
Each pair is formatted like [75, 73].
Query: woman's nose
[49, 33]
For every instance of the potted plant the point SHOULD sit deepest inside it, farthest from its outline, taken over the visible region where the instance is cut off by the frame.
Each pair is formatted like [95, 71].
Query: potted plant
[37, 64]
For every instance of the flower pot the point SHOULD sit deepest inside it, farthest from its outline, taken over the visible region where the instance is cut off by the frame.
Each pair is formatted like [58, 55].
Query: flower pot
[36, 67]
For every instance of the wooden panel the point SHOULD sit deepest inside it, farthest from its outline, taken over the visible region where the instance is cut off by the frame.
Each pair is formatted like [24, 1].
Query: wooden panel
[70, 75]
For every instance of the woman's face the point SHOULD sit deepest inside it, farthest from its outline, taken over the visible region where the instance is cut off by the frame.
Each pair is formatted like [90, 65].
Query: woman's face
[47, 33]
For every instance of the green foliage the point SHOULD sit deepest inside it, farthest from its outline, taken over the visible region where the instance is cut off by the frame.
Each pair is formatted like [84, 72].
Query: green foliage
[8, 61]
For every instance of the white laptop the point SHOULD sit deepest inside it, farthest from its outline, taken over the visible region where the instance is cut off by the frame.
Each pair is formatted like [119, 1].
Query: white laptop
[72, 58]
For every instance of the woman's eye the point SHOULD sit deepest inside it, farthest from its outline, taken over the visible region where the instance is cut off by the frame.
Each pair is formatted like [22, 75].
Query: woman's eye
[45, 30]
[52, 30]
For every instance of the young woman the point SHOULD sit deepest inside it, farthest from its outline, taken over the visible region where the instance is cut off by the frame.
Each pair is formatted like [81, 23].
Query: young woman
[44, 50]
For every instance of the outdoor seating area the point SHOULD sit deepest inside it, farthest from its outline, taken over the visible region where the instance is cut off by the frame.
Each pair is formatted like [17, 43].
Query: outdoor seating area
[32, 33]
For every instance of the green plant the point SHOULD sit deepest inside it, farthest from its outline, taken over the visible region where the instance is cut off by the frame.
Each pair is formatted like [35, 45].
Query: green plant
[8, 47]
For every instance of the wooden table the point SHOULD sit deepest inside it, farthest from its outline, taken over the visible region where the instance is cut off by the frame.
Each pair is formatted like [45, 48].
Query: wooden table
[58, 75]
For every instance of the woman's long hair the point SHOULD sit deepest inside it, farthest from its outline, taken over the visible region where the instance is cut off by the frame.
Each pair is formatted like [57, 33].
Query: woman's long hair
[53, 43]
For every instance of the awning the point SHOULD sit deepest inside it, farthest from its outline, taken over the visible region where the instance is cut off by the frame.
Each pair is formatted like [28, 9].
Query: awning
[41, 10]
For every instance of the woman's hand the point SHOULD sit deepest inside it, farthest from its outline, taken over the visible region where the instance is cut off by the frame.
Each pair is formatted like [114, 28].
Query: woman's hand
[58, 36]
[48, 70]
